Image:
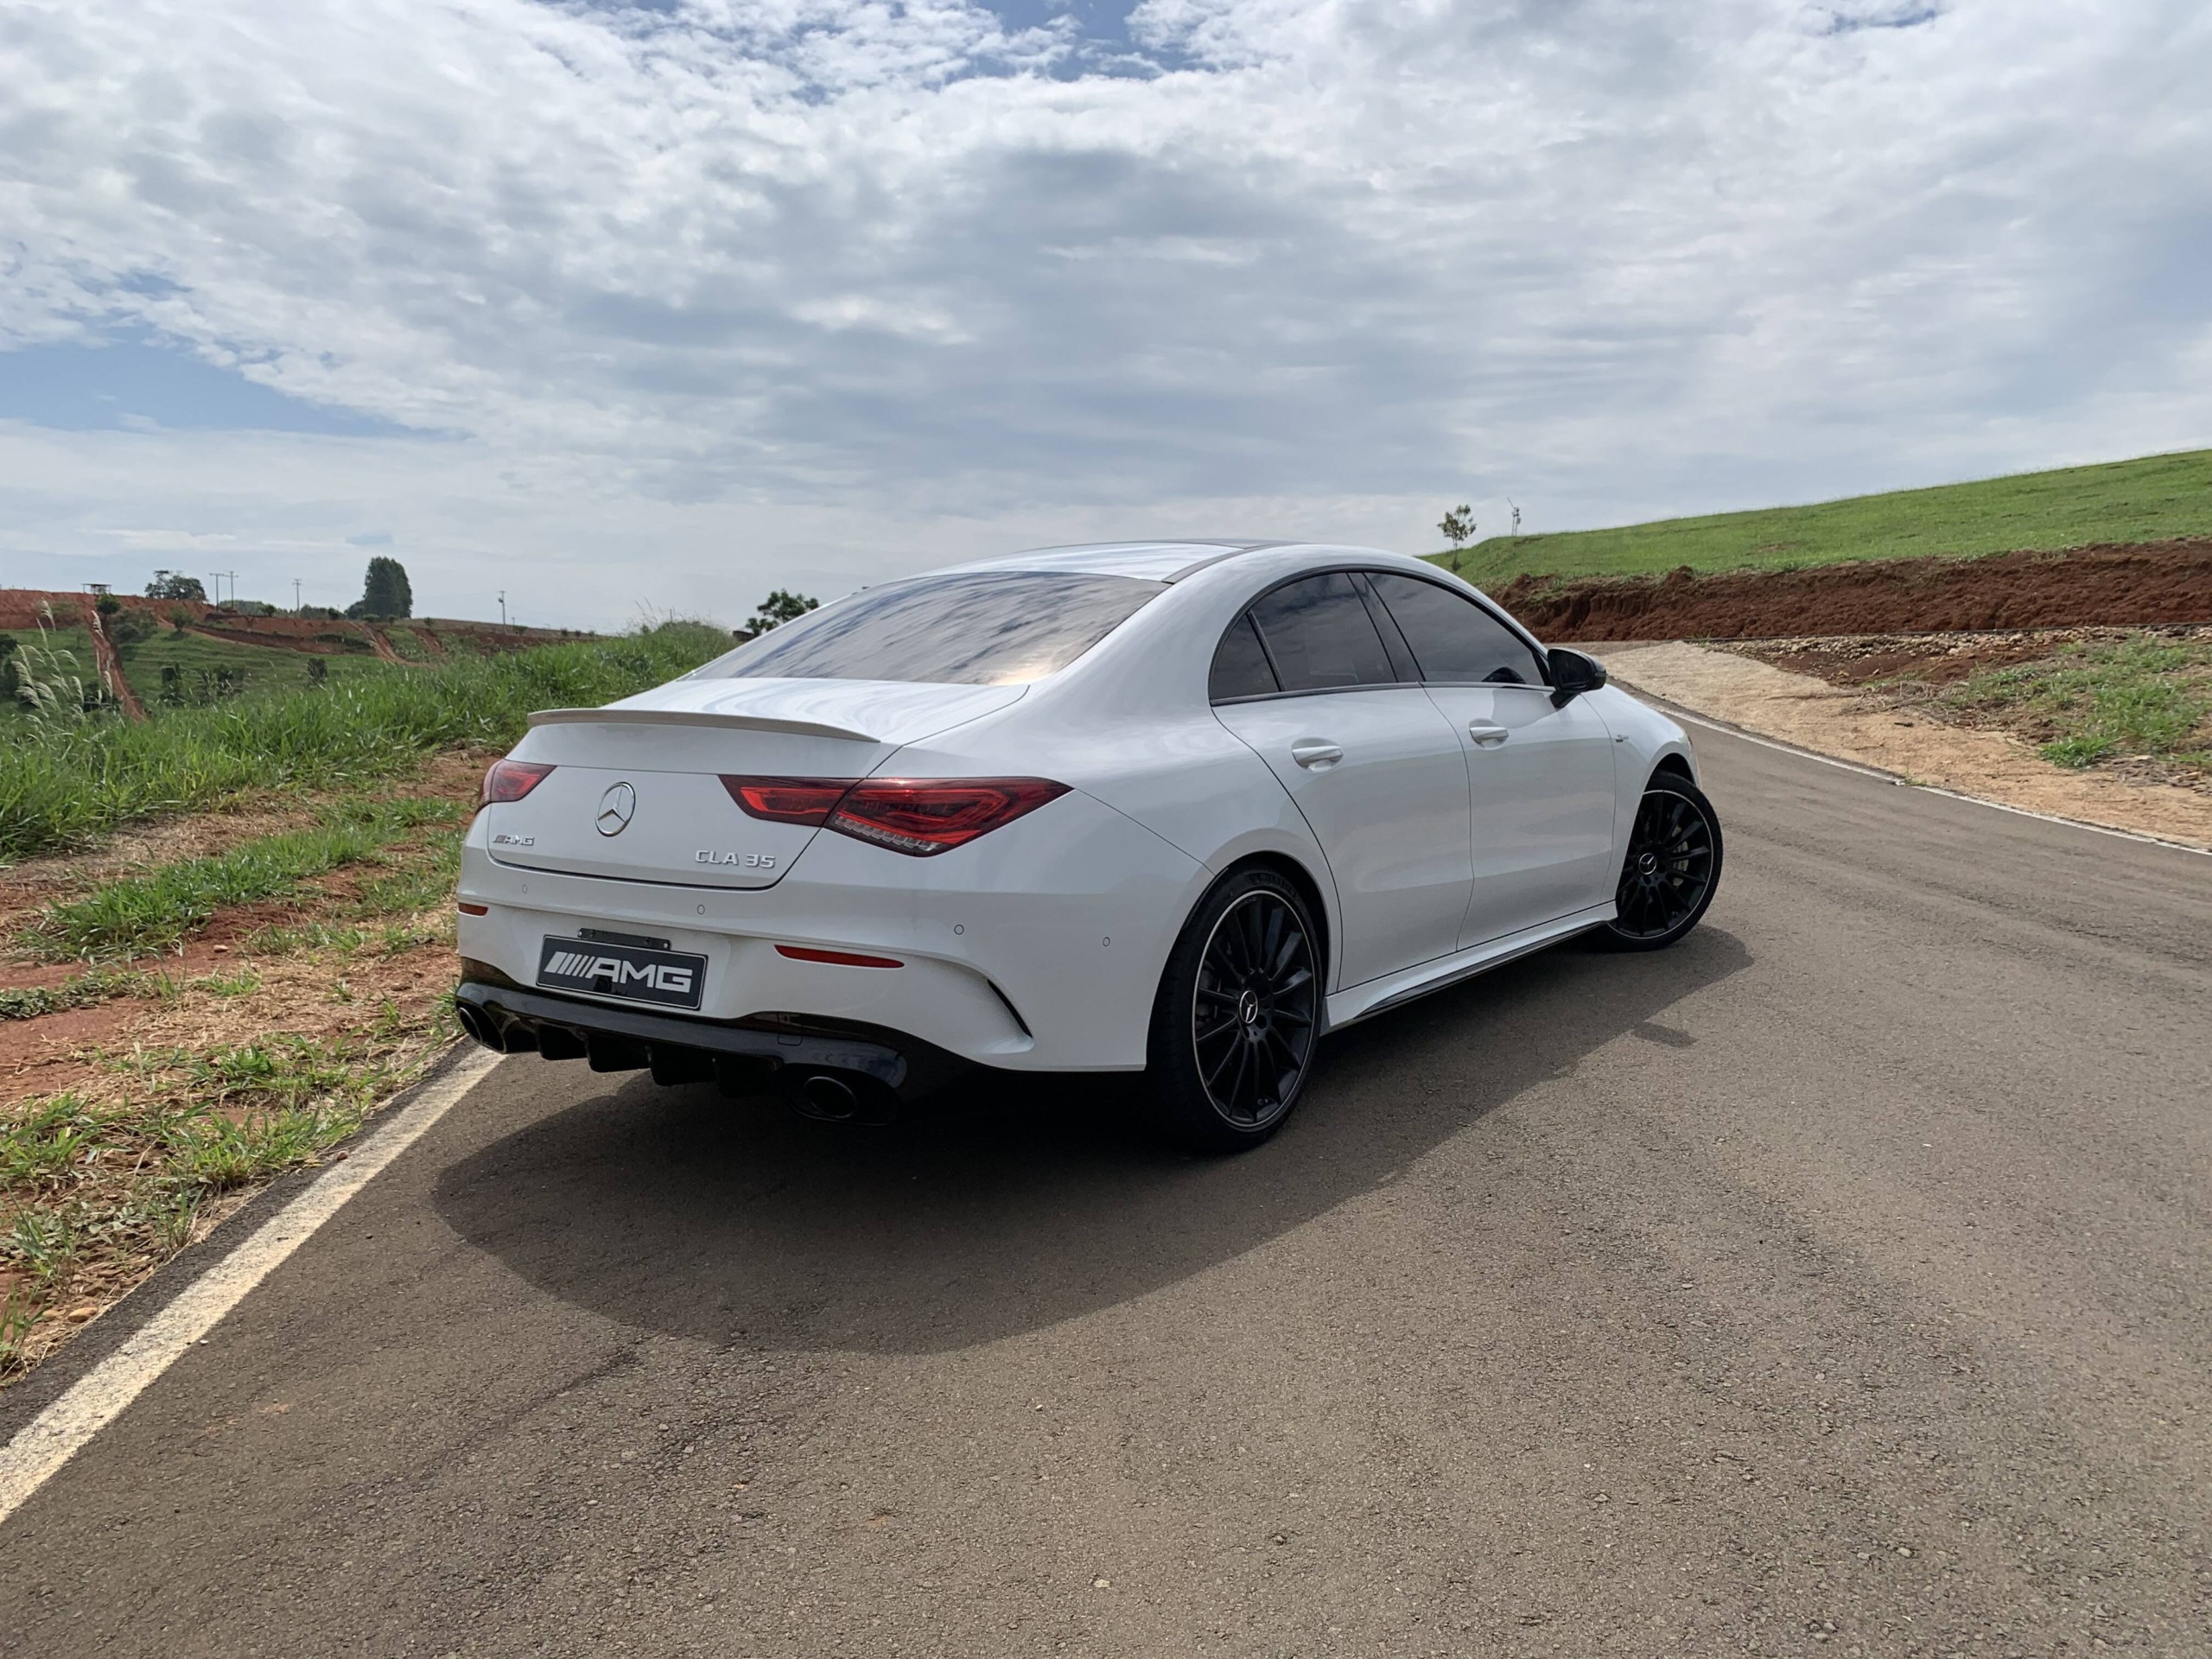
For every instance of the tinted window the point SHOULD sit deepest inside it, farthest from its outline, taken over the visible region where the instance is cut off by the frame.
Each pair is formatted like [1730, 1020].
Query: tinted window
[1453, 637]
[1240, 666]
[985, 629]
[1320, 635]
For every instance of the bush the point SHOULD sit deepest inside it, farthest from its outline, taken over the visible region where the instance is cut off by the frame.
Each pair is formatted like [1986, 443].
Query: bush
[61, 784]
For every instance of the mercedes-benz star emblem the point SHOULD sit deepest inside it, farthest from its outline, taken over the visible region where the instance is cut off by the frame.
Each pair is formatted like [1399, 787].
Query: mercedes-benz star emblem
[616, 808]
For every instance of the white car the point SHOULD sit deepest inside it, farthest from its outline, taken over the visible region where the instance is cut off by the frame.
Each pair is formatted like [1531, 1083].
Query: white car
[1179, 807]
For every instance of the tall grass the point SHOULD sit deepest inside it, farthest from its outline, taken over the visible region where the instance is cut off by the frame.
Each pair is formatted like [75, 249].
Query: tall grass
[61, 785]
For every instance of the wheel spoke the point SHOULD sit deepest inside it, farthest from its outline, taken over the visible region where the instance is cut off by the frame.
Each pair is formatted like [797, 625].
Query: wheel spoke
[1239, 1079]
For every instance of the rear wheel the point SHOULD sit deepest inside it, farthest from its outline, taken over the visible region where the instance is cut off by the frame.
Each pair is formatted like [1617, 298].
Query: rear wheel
[1672, 866]
[1239, 1009]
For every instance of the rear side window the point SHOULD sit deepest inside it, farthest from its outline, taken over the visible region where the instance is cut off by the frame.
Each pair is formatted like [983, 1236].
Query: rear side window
[990, 628]
[1454, 639]
[1240, 665]
[1320, 636]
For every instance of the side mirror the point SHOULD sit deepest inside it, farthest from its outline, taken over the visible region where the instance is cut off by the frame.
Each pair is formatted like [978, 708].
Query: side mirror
[1573, 673]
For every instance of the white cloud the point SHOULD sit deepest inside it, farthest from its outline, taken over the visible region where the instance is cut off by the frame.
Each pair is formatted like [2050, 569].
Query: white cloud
[702, 297]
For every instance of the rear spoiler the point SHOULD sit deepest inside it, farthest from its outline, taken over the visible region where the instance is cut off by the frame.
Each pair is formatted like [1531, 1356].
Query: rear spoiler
[688, 717]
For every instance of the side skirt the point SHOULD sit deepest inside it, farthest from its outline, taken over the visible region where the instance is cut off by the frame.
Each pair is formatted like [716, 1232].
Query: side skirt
[1357, 1002]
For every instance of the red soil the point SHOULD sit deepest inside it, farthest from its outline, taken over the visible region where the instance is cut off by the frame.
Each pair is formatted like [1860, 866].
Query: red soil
[22, 607]
[2148, 585]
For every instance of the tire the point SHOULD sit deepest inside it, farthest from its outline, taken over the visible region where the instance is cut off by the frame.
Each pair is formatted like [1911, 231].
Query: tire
[1672, 869]
[1237, 1016]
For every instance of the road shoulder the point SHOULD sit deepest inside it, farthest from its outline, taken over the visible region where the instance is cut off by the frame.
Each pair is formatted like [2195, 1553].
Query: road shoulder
[1798, 709]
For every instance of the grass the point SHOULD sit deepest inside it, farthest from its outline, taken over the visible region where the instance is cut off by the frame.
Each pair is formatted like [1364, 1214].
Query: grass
[148, 913]
[196, 1101]
[82, 991]
[99, 985]
[2092, 701]
[61, 785]
[2153, 498]
[96, 1192]
[261, 669]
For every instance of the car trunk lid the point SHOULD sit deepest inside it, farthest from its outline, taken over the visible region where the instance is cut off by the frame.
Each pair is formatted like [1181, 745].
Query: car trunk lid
[635, 793]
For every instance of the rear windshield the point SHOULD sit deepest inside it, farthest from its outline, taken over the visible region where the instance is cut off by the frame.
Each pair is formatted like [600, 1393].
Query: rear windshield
[985, 629]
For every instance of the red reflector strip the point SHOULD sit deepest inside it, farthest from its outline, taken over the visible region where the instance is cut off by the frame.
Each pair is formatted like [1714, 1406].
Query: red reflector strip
[840, 958]
[467, 909]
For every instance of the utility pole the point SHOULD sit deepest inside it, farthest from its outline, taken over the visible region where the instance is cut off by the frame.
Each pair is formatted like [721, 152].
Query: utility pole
[503, 607]
[1516, 515]
[233, 575]
[295, 595]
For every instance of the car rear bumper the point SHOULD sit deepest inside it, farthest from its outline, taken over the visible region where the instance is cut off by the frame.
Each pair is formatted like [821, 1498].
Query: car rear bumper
[741, 1056]
[1037, 948]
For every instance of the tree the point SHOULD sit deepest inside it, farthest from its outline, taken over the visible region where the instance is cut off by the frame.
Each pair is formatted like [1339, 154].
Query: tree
[385, 593]
[779, 607]
[174, 584]
[1458, 525]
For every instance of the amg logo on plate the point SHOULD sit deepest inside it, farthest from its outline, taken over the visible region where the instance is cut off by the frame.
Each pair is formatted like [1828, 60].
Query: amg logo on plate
[670, 978]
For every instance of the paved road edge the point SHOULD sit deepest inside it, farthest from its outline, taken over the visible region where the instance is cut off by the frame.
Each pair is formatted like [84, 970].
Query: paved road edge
[50, 1415]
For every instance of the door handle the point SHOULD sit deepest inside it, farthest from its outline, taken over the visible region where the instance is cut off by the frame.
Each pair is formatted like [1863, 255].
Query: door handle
[1315, 754]
[1486, 735]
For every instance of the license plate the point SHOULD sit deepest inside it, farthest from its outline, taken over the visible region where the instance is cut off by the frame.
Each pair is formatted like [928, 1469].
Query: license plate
[668, 979]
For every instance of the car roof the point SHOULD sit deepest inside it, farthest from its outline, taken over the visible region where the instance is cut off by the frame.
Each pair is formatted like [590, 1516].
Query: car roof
[1145, 560]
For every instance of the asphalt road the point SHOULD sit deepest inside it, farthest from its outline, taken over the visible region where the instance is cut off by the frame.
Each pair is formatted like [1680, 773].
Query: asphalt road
[1833, 1283]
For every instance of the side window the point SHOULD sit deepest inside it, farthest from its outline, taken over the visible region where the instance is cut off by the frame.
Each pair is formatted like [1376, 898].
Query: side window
[1320, 635]
[1240, 666]
[1456, 640]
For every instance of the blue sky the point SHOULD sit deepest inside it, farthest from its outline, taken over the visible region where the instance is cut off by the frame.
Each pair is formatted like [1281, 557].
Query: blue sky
[132, 383]
[617, 307]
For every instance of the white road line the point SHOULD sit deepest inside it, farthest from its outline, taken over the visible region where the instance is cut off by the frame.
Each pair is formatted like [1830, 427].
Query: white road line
[1681, 713]
[53, 1437]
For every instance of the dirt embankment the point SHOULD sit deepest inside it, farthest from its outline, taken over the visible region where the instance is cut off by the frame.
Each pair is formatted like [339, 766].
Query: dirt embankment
[2156, 582]
[110, 667]
[24, 608]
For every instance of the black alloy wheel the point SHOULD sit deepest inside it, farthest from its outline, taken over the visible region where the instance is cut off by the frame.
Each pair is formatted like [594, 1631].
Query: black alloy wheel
[1239, 1008]
[1672, 866]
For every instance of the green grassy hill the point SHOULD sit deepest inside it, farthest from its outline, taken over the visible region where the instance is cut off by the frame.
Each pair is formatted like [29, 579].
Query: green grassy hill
[2153, 498]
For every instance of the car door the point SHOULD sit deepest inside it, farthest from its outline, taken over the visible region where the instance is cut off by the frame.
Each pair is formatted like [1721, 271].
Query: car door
[1304, 678]
[1540, 777]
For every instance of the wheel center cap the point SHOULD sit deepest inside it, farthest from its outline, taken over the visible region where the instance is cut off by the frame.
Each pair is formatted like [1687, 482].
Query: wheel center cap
[1647, 863]
[1248, 1007]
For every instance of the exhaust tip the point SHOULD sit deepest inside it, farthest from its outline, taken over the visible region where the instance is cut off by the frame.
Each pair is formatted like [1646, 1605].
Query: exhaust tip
[829, 1098]
[474, 1022]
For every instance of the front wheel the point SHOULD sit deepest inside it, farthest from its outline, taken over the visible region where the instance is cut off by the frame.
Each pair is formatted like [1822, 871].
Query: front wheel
[1672, 866]
[1238, 1011]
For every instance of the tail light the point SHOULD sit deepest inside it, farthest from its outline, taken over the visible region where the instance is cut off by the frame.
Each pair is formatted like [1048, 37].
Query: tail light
[920, 816]
[510, 780]
[809, 801]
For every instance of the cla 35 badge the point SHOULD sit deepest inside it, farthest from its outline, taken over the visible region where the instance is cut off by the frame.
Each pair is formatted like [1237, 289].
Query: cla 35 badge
[670, 979]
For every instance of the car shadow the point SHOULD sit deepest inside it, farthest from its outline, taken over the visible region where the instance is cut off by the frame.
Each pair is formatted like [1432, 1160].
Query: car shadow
[1012, 1201]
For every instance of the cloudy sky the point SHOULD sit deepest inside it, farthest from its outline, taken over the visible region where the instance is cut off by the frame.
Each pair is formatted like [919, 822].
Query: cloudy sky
[616, 306]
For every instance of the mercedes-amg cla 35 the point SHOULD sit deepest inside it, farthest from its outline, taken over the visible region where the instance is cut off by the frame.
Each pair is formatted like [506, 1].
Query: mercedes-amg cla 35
[1181, 808]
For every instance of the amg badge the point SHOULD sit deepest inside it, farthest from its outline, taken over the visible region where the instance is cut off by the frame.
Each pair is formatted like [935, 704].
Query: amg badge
[670, 979]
